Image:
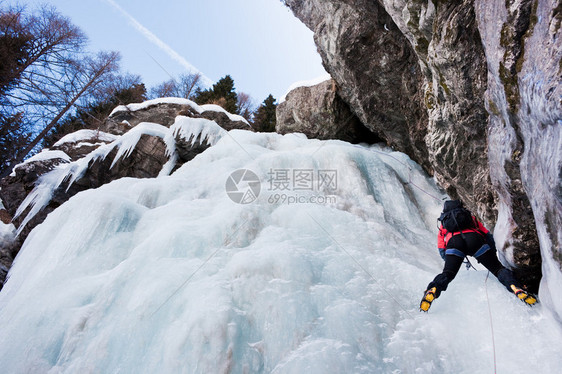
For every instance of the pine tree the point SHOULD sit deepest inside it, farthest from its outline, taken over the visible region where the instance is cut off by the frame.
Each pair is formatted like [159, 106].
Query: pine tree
[222, 93]
[14, 135]
[265, 118]
[14, 47]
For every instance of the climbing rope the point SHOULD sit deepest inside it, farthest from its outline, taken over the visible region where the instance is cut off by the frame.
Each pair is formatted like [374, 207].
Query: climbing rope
[409, 175]
[468, 266]
[189, 278]
[361, 266]
[491, 321]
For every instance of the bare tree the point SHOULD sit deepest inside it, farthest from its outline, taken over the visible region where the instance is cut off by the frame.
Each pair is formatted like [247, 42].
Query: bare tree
[165, 89]
[82, 77]
[14, 44]
[112, 83]
[53, 75]
[184, 86]
[188, 84]
[50, 37]
[246, 106]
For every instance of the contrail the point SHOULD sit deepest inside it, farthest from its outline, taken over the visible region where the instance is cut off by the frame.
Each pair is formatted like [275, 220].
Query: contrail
[162, 45]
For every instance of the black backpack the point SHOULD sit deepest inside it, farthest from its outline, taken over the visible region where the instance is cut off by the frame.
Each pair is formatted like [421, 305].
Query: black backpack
[456, 217]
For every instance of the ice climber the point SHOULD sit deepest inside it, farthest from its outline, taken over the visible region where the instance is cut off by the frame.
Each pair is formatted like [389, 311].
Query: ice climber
[461, 235]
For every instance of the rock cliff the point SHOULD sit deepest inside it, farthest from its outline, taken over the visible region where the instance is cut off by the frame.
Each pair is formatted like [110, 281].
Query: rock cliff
[319, 112]
[470, 90]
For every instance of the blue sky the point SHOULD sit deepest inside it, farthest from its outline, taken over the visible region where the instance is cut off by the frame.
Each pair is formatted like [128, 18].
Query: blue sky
[258, 42]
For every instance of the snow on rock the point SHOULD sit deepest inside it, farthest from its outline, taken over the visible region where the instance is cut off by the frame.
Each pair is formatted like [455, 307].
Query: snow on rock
[85, 134]
[218, 108]
[148, 103]
[165, 110]
[321, 273]
[48, 155]
[178, 101]
[45, 155]
[7, 232]
[307, 83]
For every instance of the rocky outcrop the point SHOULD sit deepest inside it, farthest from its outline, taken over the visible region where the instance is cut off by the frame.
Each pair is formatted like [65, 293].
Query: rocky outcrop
[318, 112]
[470, 90]
[89, 159]
[403, 68]
[165, 111]
[376, 70]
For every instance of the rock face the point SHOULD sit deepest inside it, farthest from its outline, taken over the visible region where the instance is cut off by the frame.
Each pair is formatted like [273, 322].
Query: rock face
[89, 159]
[523, 44]
[319, 112]
[470, 90]
[402, 67]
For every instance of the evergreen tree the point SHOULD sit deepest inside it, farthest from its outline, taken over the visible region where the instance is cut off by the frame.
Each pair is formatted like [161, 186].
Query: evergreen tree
[14, 47]
[13, 138]
[265, 118]
[222, 93]
[14, 51]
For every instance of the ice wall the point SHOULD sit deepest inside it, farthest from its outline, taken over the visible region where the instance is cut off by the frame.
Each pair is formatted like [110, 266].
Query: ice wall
[172, 275]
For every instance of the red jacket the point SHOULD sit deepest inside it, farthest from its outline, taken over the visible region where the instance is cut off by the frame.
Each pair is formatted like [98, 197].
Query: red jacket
[444, 236]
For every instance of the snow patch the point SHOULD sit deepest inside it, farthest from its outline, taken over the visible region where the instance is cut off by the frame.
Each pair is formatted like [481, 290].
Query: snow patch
[44, 155]
[307, 83]
[79, 135]
[146, 104]
[218, 108]
[47, 155]
[180, 101]
[7, 230]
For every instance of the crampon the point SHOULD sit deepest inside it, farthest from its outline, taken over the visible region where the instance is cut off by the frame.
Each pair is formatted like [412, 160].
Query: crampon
[427, 299]
[527, 297]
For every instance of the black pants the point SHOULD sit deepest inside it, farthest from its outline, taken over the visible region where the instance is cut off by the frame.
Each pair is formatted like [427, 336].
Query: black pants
[471, 244]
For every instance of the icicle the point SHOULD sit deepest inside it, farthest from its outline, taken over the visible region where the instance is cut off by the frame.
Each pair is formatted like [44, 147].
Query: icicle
[192, 129]
[128, 141]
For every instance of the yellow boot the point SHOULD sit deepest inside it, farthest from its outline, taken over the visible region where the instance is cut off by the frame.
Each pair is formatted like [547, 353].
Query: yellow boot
[427, 299]
[524, 296]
